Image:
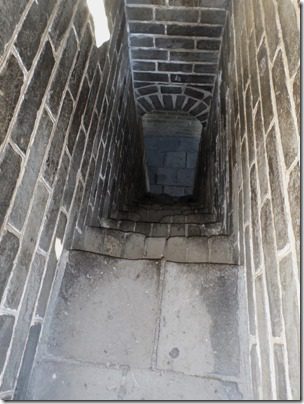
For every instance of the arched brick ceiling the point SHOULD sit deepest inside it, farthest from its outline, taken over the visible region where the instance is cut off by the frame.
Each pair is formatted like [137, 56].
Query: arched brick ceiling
[174, 50]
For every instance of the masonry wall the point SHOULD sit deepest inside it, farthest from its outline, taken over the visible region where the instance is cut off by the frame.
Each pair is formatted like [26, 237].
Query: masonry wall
[257, 105]
[67, 136]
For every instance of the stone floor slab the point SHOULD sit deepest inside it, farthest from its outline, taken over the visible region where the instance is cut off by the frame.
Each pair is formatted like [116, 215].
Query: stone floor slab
[53, 380]
[106, 311]
[199, 321]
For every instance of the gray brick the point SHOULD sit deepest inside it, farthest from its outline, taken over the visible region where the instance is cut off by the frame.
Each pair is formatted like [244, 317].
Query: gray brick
[213, 16]
[53, 209]
[213, 3]
[155, 77]
[277, 190]
[149, 54]
[253, 70]
[170, 90]
[91, 100]
[9, 246]
[147, 2]
[82, 58]
[287, 125]
[259, 29]
[62, 73]
[144, 28]
[265, 85]
[9, 172]
[174, 43]
[79, 111]
[255, 220]
[192, 79]
[194, 30]
[32, 99]
[143, 66]
[139, 13]
[205, 57]
[30, 176]
[255, 371]
[261, 153]
[50, 269]
[296, 96]
[208, 44]
[31, 231]
[11, 80]
[28, 40]
[271, 26]
[80, 18]
[61, 21]
[141, 41]
[271, 268]
[291, 34]
[175, 67]
[11, 12]
[6, 331]
[280, 372]
[250, 281]
[27, 362]
[295, 206]
[187, 15]
[55, 150]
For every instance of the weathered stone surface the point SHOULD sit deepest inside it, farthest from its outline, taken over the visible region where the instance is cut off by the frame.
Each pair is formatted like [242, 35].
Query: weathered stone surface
[255, 372]
[277, 190]
[9, 172]
[88, 283]
[11, 12]
[80, 18]
[287, 124]
[24, 125]
[31, 231]
[280, 372]
[270, 26]
[261, 153]
[61, 21]
[6, 331]
[62, 73]
[55, 150]
[295, 206]
[34, 162]
[11, 80]
[8, 250]
[27, 362]
[255, 219]
[291, 318]
[291, 35]
[154, 247]
[194, 331]
[28, 40]
[64, 381]
[53, 209]
[271, 268]
[263, 64]
[156, 385]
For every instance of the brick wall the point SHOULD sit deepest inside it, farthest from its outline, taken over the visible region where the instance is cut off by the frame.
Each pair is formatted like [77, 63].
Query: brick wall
[67, 136]
[257, 107]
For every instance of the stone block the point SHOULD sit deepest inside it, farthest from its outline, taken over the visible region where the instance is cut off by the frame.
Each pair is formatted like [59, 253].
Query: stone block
[28, 40]
[259, 28]
[295, 206]
[134, 246]
[154, 247]
[263, 64]
[170, 90]
[197, 249]
[96, 291]
[280, 372]
[271, 268]
[31, 231]
[175, 160]
[177, 230]
[155, 77]
[261, 153]
[205, 69]
[9, 173]
[161, 385]
[149, 54]
[174, 43]
[27, 362]
[160, 230]
[53, 209]
[25, 122]
[253, 70]
[143, 67]
[55, 150]
[288, 127]
[216, 17]
[189, 341]
[176, 15]
[11, 81]
[144, 28]
[62, 73]
[89, 146]
[277, 189]
[140, 227]
[6, 332]
[81, 61]
[194, 30]
[255, 372]
[139, 13]
[185, 177]
[291, 35]
[8, 250]
[191, 79]
[206, 57]
[175, 67]
[80, 18]
[221, 250]
[10, 15]
[30, 176]
[255, 219]
[61, 22]
[141, 41]
[271, 28]
[176, 249]
[250, 285]
[208, 44]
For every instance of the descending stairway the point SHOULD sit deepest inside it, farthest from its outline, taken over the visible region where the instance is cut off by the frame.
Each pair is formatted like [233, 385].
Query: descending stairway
[151, 307]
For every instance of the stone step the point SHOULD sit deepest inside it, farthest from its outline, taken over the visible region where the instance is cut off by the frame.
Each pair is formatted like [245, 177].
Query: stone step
[163, 229]
[166, 217]
[132, 245]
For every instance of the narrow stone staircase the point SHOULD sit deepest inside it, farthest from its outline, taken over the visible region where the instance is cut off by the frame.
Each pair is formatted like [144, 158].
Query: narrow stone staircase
[151, 307]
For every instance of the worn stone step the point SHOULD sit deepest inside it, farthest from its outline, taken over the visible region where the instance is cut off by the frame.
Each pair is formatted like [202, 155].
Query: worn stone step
[166, 217]
[163, 229]
[132, 245]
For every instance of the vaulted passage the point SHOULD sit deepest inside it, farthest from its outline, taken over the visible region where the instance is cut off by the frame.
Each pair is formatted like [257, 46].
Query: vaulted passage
[149, 200]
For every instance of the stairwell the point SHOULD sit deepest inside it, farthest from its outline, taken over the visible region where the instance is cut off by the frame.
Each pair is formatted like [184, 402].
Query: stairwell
[149, 203]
